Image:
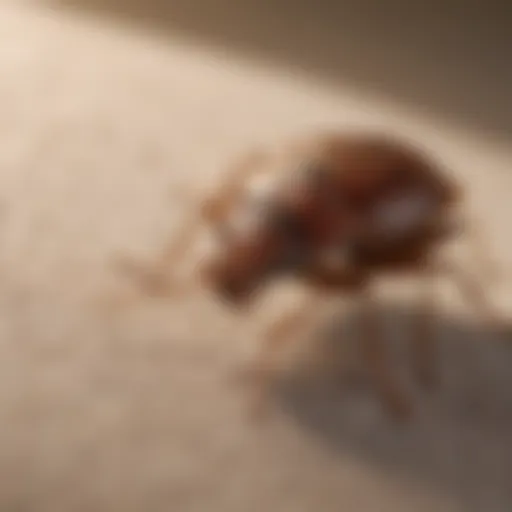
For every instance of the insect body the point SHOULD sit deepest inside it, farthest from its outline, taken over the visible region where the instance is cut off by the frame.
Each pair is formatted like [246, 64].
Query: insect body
[334, 212]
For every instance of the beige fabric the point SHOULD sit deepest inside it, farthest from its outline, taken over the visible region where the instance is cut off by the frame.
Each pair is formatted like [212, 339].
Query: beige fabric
[111, 402]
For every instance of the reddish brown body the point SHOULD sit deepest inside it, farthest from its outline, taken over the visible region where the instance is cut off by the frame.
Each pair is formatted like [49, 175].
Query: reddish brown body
[333, 191]
[359, 171]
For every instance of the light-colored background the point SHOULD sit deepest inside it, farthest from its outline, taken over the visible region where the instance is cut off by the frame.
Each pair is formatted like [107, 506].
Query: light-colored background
[114, 119]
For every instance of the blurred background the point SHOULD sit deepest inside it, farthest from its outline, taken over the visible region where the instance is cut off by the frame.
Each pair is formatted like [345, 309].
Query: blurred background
[116, 116]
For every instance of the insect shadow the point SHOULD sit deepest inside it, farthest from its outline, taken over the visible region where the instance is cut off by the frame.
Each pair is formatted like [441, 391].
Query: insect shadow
[460, 437]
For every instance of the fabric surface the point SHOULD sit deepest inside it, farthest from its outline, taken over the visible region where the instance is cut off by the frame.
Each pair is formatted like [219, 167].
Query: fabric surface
[111, 401]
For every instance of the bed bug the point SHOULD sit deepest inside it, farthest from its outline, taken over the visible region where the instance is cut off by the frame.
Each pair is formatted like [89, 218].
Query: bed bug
[333, 212]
